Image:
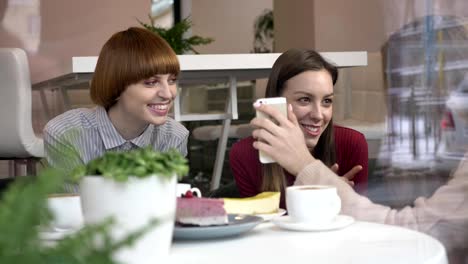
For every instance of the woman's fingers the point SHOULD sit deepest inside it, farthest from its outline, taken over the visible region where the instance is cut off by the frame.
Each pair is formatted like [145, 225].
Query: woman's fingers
[264, 123]
[291, 116]
[273, 112]
[335, 168]
[263, 135]
[352, 172]
[349, 176]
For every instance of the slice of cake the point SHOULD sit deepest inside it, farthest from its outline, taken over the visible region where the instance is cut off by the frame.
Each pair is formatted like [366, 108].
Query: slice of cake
[201, 211]
[263, 203]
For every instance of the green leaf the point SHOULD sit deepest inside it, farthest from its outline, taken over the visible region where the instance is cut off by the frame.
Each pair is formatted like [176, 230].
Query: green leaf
[23, 208]
[174, 36]
[141, 163]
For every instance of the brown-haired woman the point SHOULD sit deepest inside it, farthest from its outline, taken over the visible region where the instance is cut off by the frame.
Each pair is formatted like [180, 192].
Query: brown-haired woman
[133, 86]
[306, 79]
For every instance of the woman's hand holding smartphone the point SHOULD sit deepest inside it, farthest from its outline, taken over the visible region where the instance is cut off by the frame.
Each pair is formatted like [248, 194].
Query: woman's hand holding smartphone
[280, 104]
[282, 138]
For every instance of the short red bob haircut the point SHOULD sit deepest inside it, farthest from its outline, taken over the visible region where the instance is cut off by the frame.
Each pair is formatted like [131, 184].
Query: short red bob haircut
[128, 57]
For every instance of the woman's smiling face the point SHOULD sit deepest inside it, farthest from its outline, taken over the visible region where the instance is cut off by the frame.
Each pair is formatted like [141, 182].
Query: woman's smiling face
[149, 100]
[311, 95]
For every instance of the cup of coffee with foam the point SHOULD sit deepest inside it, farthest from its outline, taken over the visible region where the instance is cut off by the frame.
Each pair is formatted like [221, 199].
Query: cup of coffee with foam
[312, 204]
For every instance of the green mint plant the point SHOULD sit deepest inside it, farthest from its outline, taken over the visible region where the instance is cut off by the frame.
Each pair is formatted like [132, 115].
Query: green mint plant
[174, 36]
[23, 209]
[140, 163]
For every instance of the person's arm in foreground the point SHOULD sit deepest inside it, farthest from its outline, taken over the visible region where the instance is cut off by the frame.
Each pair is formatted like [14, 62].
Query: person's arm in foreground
[444, 215]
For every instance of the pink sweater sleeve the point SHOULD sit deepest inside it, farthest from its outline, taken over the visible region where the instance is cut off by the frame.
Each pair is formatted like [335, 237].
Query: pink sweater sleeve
[444, 215]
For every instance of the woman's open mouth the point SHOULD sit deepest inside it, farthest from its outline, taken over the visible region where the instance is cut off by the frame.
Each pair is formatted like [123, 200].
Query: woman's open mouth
[159, 109]
[311, 130]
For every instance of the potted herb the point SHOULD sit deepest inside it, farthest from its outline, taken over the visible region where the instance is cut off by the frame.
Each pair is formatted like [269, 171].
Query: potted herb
[134, 188]
[175, 36]
[23, 209]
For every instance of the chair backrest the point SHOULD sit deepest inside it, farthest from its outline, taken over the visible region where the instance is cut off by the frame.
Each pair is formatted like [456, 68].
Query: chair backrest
[17, 138]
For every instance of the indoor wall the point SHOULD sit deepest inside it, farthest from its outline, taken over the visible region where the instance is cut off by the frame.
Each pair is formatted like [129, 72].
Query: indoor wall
[335, 25]
[229, 23]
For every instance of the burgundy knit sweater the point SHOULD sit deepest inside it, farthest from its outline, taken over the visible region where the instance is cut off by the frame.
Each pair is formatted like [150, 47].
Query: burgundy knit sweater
[351, 150]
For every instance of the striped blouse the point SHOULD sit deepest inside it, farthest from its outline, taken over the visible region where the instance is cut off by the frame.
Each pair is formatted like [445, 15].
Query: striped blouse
[81, 135]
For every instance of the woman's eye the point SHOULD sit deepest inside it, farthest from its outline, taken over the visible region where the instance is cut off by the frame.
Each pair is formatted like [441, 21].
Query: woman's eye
[328, 101]
[303, 100]
[150, 83]
[172, 80]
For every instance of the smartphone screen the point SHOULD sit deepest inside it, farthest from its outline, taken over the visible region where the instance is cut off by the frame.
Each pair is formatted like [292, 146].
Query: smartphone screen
[280, 104]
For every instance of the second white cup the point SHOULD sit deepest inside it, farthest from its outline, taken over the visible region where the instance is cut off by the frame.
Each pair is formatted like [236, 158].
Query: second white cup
[182, 188]
[66, 211]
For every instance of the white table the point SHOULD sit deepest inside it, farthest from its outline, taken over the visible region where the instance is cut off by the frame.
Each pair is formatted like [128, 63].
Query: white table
[360, 243]
[200, 69]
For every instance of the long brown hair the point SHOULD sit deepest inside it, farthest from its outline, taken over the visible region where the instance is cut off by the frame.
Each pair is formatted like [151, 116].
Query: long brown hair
[288, 65]
[128, 57]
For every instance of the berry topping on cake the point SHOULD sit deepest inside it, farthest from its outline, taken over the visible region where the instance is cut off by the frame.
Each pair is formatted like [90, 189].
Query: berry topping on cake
[188, 194]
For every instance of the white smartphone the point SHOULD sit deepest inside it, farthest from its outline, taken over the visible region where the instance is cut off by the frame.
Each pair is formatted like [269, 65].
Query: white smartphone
[280, 104]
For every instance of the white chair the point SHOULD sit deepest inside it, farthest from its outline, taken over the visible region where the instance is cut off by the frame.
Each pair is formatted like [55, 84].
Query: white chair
[18, 143]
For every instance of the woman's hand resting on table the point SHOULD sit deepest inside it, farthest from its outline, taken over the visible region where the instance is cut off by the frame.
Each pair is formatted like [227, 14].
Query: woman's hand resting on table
[349, 176]
[284, 142]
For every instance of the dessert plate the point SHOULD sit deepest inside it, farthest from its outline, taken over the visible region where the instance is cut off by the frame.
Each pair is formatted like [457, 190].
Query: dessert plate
[285, 222]
[268, 217]
[237, 224]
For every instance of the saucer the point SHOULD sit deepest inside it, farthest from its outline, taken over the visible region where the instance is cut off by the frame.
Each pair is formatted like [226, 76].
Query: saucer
[285, 222]
[56, 234]
[237, 225]
[268, 217]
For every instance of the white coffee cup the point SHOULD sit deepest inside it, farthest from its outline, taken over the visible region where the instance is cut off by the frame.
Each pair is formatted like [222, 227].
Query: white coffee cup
[315, 204]
[66, 211]
[182, 188]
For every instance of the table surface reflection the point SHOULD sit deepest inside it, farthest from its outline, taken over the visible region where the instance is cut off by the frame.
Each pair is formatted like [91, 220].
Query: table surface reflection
[361, 242]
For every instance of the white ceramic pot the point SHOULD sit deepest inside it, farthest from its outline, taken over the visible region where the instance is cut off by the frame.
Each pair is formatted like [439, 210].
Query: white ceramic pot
[132, 205]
